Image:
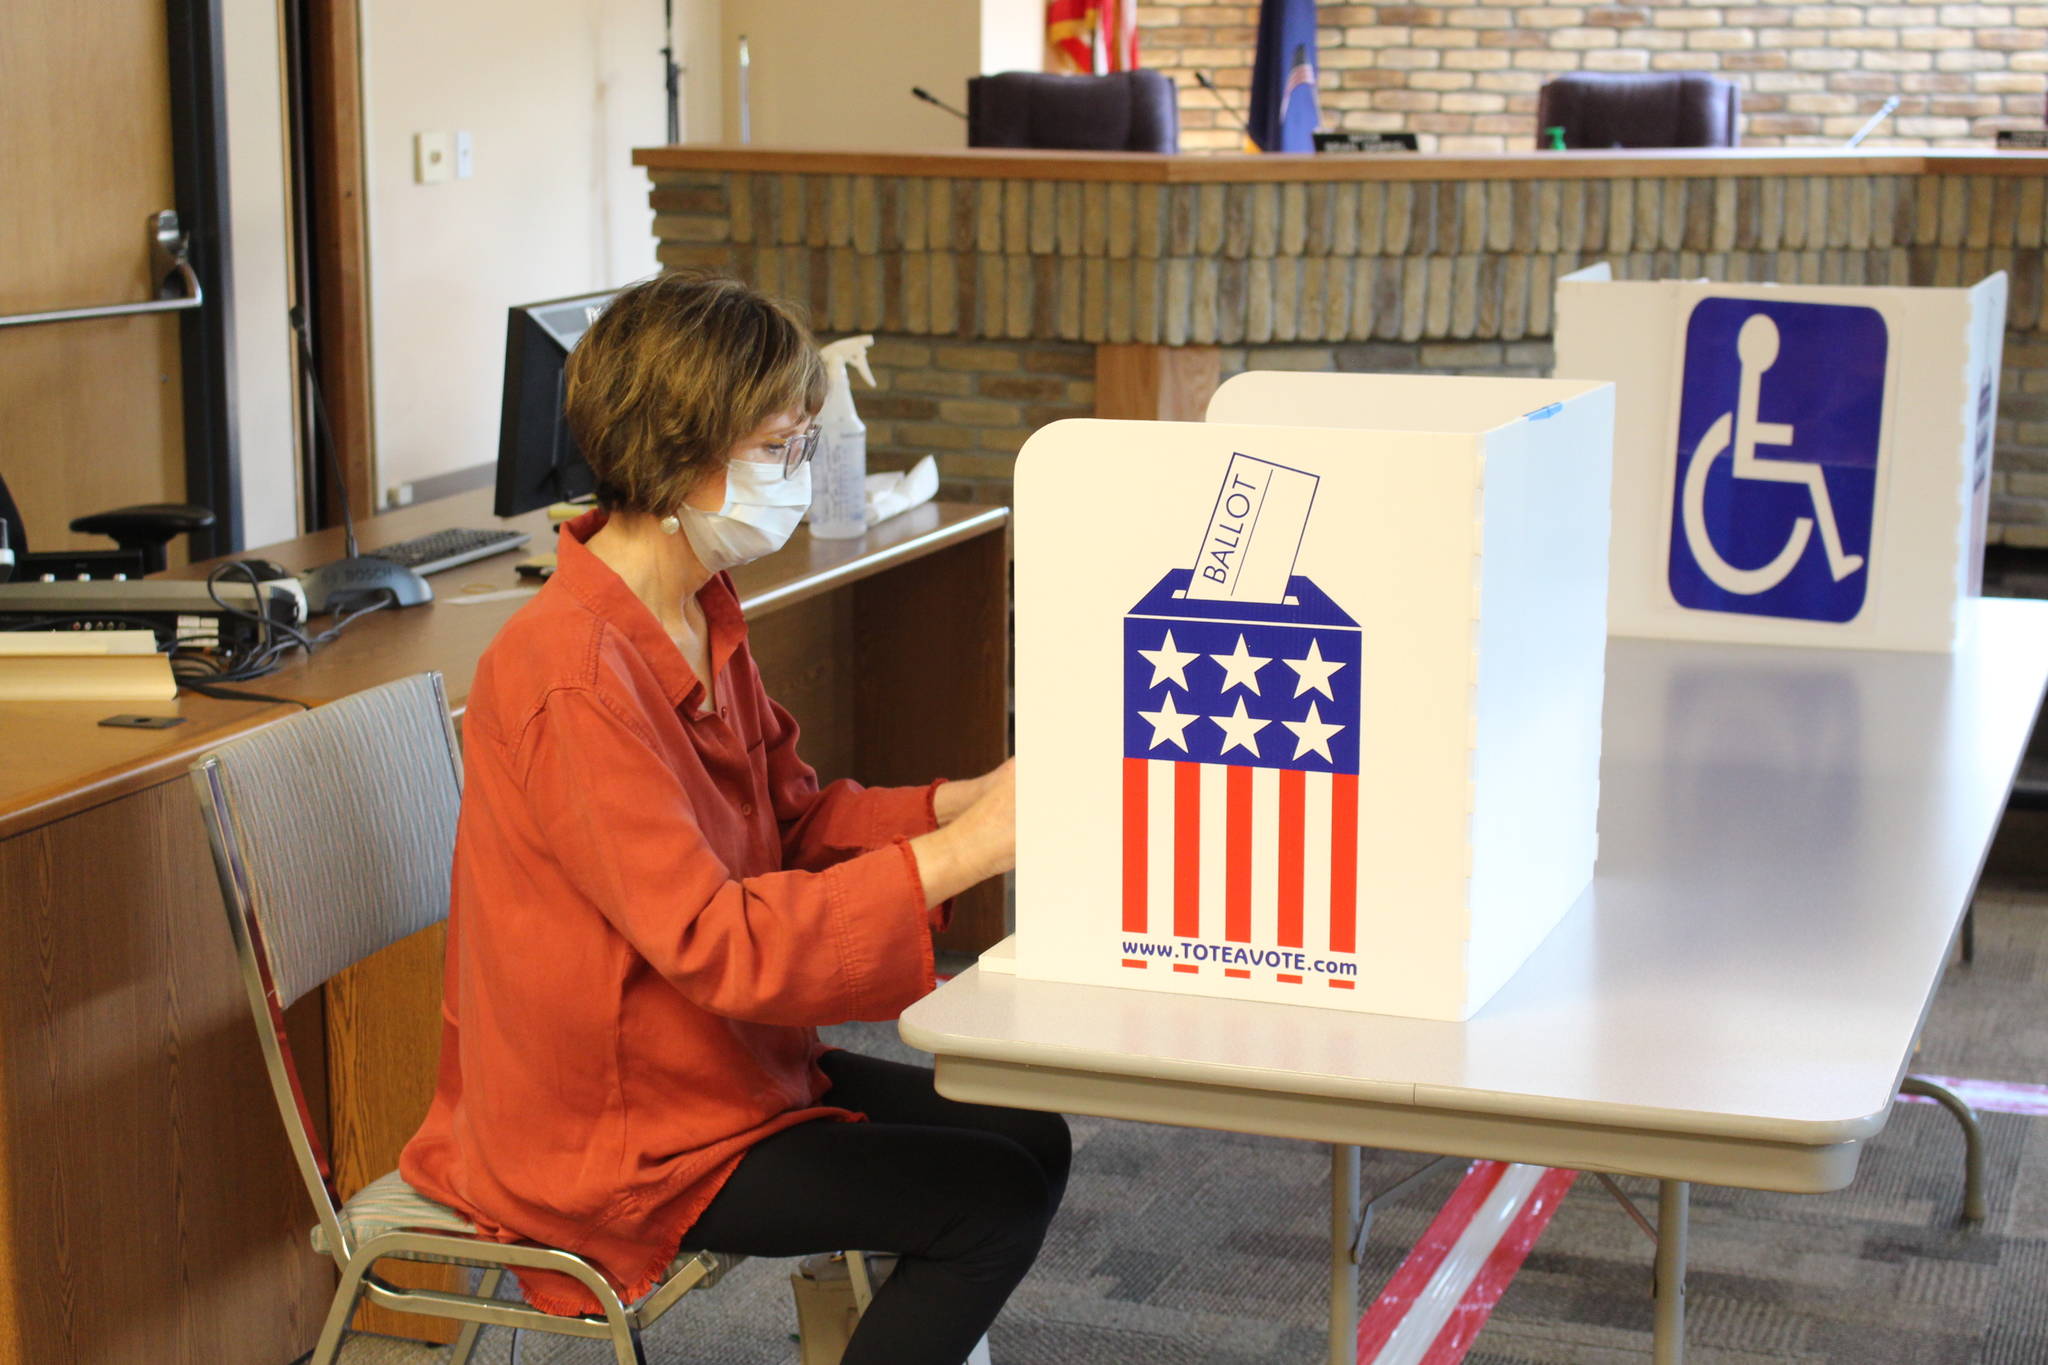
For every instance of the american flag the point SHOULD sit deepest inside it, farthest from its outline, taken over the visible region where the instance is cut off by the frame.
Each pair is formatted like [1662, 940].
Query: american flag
[1092, 37]
[1240, 780]
[1301, 76]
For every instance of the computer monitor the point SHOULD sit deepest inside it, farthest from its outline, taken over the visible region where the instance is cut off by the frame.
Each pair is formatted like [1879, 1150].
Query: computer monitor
[538, 462]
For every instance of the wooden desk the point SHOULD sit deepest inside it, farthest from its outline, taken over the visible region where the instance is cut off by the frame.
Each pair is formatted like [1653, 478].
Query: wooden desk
[891, 650]
[148, 1207]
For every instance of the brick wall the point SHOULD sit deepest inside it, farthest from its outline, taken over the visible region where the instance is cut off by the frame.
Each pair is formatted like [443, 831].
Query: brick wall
[971, 404]
[988, 294]
[1464, 77]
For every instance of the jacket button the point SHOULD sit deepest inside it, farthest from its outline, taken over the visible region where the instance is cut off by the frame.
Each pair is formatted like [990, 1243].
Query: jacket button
[746, 808]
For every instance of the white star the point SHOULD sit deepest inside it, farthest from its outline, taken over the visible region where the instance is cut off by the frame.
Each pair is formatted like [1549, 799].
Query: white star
[1313, 673]
[1313, 733]
[1167, 661]
[1168, 725]
[1238, 729]
[1241, 668]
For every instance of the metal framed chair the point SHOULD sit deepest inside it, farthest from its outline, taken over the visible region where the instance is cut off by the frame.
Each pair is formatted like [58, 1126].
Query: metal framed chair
[332, 835]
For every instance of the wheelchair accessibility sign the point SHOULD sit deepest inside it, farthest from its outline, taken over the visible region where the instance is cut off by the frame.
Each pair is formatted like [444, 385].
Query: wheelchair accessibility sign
[1780, 429]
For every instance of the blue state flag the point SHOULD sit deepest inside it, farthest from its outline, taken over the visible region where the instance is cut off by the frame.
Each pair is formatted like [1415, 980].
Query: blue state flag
[1284, 113]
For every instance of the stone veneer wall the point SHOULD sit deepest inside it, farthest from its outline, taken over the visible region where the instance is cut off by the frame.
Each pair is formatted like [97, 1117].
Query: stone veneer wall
[972, 404]
[987, 293]
[1464, 77]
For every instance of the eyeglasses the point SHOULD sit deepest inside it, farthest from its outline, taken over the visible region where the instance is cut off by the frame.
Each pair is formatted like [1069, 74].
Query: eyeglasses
[797, 450]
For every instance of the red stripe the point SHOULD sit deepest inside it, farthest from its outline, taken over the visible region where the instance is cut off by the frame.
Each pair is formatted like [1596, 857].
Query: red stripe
[1293, 801]
[1185, 967]
[1343, 985]
[1491, 1282]
[1136, 962]
[1237, 972]
[1344, 862]
[1237, 855]
[1187, 849]
[1290, 980]
[1415, 1272]
[1137, 845]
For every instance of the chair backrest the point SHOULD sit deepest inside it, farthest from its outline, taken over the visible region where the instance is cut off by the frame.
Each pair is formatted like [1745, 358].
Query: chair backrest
[1129, 111]
[338, 828]
[1599, 109]
[10, 517]
[333, 834]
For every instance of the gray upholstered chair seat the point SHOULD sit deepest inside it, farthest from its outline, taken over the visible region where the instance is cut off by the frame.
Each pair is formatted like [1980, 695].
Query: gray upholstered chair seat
[388, 1204]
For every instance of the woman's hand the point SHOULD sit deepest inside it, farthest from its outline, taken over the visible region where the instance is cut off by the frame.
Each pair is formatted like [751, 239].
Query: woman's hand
[979, 842]
[951, 798]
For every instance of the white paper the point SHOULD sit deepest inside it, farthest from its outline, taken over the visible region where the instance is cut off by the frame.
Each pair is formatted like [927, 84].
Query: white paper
[889, 494]
[1254, 532]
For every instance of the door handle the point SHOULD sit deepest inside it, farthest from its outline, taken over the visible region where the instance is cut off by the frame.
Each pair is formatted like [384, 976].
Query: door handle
[177, 287]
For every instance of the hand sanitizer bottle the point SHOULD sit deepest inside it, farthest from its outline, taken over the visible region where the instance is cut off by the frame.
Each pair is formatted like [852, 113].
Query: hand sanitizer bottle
[839, 471]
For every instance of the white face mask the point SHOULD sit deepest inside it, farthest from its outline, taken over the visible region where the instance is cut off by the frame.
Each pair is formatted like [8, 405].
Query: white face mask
[761, 512]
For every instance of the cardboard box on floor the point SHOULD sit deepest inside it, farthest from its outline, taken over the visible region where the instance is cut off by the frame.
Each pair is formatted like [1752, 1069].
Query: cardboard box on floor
[1794, 464]
[1308, 695]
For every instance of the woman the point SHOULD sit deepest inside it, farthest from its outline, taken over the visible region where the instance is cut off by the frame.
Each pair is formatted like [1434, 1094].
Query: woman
[655, 904]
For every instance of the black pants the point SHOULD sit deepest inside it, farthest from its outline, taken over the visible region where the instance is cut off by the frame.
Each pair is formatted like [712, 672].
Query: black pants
[963, 1192]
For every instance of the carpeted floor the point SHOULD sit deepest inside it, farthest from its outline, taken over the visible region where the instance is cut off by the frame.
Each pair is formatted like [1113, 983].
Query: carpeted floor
[1883, 1272]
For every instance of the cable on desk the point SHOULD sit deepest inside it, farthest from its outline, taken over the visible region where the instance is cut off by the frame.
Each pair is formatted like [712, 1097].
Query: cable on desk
[206, 689]
[197, 661]
[275, 639]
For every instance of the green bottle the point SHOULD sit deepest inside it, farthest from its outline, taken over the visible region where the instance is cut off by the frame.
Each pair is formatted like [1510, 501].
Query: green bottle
[1555, 134]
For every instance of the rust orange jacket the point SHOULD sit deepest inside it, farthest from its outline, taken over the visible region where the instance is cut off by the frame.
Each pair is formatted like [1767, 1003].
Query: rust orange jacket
[653, 907]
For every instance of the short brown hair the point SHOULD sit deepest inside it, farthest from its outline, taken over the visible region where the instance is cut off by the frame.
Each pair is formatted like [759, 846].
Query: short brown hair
[674, 372]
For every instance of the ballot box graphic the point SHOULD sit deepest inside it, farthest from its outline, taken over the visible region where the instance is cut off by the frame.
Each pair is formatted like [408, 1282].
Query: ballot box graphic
[1793, 464]
[1310, 713]
[1241, 726]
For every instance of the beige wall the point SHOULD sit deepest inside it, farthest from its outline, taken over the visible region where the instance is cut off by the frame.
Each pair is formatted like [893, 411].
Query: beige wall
[555, 97]
[839, 75]
[266, 429]
[1464, 76]
[826, 75]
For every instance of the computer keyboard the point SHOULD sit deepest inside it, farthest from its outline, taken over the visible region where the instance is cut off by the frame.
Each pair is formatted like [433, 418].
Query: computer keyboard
[438, 550]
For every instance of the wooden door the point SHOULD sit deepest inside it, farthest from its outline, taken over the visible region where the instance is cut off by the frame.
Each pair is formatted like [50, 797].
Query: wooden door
[94, 416]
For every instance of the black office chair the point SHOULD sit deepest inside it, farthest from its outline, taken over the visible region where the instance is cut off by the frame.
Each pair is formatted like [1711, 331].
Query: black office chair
[1130, 111]
[1600, 109]
[141, 532]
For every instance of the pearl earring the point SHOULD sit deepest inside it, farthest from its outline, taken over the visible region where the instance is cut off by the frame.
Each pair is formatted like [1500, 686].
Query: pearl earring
[670, 525]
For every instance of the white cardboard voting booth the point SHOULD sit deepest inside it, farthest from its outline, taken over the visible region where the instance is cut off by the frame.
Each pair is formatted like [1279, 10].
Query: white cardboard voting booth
[1308, 695]
[1793, 464]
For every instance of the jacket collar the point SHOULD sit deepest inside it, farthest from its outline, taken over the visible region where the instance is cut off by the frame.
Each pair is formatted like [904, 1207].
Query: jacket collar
[603, 593]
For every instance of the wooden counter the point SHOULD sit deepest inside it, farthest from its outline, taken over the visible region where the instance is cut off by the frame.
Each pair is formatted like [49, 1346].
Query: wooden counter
[1178, 269]
[149, 1210]
[1151, 168]
[1139, 249]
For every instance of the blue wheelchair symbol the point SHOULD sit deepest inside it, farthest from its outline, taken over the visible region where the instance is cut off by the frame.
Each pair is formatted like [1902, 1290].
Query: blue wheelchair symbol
[1792, 394]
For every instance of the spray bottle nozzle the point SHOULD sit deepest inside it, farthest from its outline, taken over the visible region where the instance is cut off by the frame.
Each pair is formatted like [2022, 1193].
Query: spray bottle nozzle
[851, 351]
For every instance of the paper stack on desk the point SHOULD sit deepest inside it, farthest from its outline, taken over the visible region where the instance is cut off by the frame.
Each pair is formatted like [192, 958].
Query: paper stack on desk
[83, 665]
[1309, 714]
